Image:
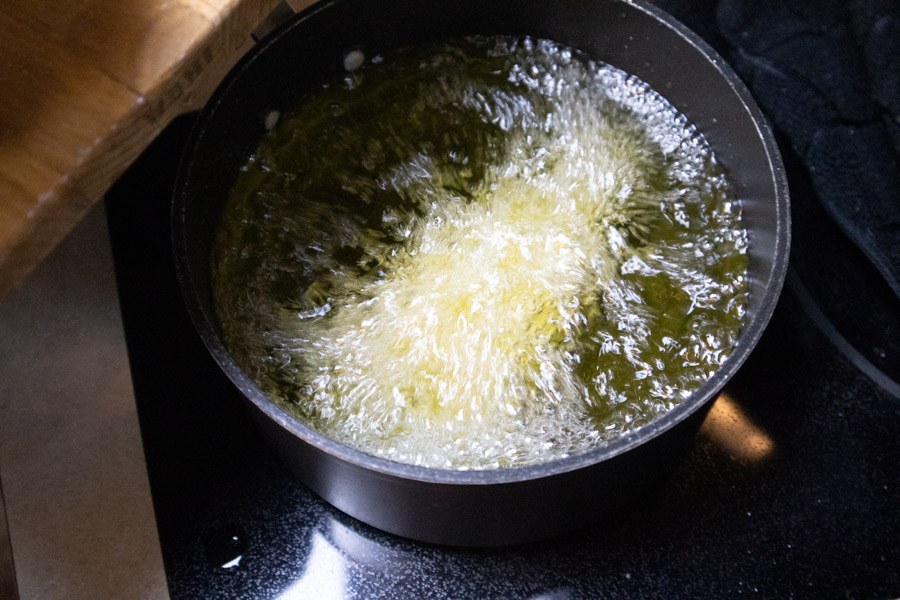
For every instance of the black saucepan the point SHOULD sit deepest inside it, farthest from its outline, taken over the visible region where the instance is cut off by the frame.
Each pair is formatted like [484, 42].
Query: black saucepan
[506, 505]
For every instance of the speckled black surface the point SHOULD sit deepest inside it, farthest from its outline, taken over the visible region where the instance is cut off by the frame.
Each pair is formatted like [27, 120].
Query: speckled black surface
[817, 518]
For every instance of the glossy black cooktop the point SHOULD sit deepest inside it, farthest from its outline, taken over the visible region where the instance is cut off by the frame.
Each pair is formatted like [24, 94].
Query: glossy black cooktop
[792, 489]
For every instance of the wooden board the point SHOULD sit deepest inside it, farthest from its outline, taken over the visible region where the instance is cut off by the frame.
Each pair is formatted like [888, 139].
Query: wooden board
[85, 85]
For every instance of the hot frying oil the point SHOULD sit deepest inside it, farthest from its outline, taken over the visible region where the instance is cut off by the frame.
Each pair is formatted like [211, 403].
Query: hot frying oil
[489, 253]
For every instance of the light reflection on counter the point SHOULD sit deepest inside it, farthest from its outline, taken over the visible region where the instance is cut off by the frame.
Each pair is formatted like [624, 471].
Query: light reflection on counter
[325, 577]
[339, 542]
[732, 429]
[339, 545]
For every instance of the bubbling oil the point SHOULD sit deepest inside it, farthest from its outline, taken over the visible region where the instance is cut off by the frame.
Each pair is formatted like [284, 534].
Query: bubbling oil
[490, 253]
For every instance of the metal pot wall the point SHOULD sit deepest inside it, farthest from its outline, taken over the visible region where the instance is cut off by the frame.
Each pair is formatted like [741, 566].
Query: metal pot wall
[507, 505]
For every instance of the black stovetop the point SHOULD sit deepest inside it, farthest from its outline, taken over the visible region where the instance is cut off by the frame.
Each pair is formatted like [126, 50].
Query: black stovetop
[811, 510]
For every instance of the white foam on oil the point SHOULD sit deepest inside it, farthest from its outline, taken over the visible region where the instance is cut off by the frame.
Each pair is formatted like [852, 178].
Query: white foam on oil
[465, 349]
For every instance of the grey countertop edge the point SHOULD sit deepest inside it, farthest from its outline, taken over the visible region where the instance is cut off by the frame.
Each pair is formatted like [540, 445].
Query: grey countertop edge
[79, 519]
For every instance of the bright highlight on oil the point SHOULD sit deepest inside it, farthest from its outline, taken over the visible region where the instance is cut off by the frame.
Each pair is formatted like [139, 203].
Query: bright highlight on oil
[492, 253]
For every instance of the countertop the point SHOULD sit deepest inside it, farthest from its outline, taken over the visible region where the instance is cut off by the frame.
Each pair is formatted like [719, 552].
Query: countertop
[81, 522]
[84, 87]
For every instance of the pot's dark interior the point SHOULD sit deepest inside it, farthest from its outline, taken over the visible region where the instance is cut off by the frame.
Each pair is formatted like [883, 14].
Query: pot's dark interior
[636, 39]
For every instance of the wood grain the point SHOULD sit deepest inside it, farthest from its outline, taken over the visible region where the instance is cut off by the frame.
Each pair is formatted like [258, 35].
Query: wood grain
[85, 85]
